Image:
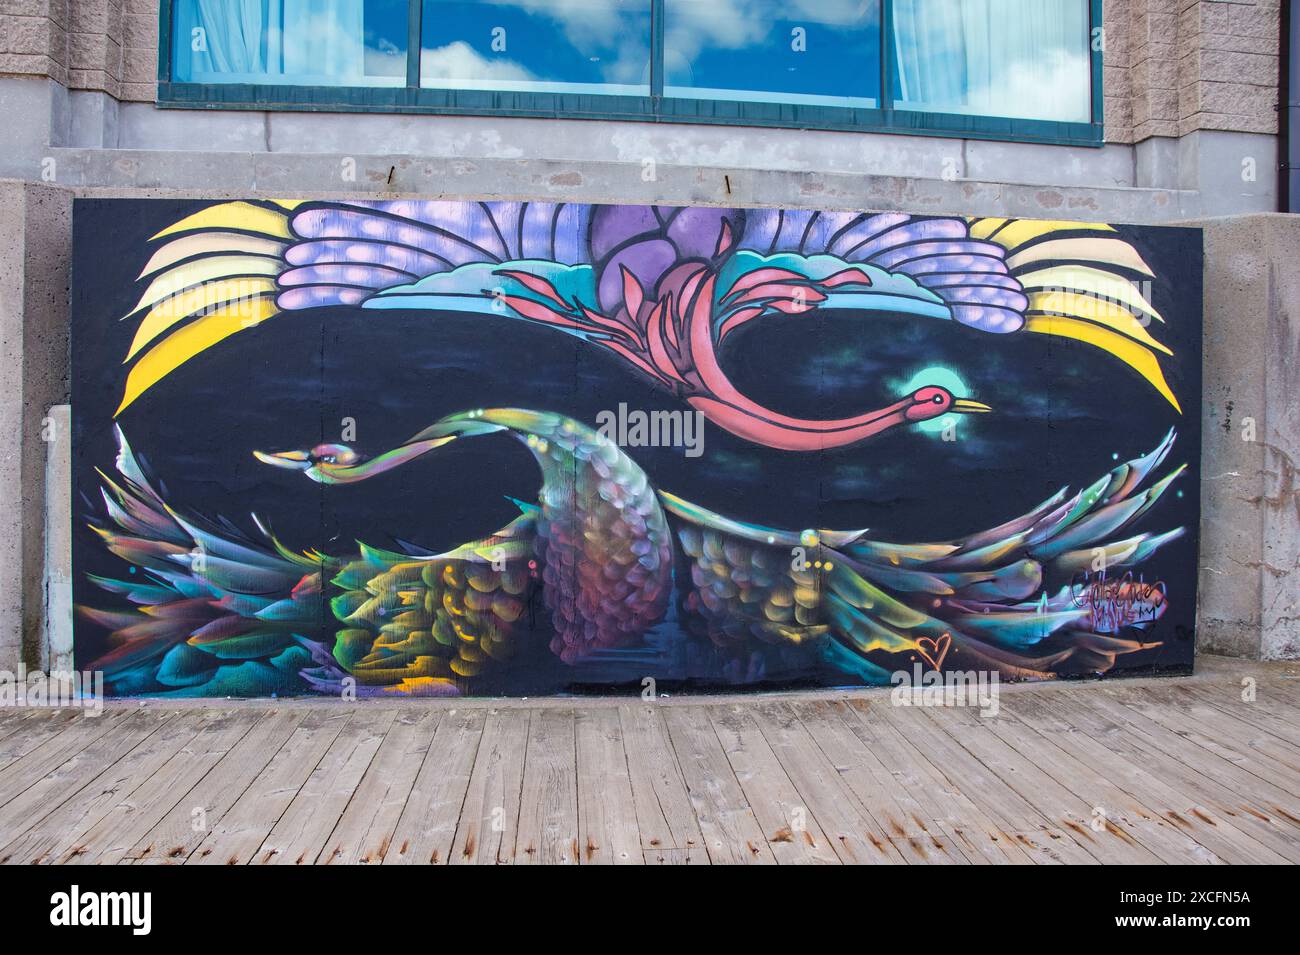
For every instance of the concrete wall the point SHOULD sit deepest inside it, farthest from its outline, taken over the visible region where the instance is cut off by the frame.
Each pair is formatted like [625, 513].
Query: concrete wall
[90, 140]
[35, 252]
[1250, 524]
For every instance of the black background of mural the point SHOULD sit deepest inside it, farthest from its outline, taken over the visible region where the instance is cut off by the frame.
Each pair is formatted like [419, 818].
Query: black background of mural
[1065, 413]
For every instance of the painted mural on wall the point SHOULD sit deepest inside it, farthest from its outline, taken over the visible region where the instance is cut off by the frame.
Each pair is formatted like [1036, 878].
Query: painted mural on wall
[417, 447]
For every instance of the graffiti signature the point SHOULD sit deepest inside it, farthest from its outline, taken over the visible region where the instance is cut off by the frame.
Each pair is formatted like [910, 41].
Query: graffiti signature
[1117, 603]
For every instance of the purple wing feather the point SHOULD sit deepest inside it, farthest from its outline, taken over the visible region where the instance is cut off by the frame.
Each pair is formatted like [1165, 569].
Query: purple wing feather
[971, 276]
[348, 251]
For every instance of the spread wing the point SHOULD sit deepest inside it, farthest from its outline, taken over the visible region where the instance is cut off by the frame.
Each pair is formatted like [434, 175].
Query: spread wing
[591, 271]
[418, 625]
[1017, 598]
[233, 265]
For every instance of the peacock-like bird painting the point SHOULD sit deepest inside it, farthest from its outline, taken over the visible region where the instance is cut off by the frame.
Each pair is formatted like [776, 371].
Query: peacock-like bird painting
[433, 447]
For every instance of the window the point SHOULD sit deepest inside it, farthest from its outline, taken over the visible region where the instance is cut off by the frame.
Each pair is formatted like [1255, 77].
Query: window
[1007, 69]
[1020, 58]
[300, 42]
[543, 46]
[779, 51]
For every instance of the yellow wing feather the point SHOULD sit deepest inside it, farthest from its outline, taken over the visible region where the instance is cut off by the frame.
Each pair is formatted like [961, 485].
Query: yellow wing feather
[1106, 251]
[1090, 297]
[188, 304]
[210, 243]
[210, 269]
[1125, 349]
[1091, 281]
[1017, 232]
[214, 277]
[240, 216]
[182, 345]
[1092, 309]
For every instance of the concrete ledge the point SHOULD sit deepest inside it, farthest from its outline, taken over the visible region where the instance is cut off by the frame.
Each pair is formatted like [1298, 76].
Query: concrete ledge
[243, 174]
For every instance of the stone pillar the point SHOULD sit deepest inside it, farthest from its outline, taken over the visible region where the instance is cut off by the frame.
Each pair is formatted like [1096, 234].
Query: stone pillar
[35, 253]
[1227, 77]
[1250, 498]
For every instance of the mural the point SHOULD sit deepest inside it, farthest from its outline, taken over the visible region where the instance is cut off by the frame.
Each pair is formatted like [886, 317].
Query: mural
[711, 447]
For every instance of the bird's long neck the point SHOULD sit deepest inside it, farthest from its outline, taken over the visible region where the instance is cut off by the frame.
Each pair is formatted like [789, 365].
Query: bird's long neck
[752, 421]
[722, 403]
[387, 461]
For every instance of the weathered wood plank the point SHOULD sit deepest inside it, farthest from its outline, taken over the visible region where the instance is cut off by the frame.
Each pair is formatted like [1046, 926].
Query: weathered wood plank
[427, 826]
[607, 826]
[548, 805]
[1182, 771]
[793, 831]
[951, 810]
[26, 729]
[1119, 729]
[1016, 819]
[45, 792]
[1256, 751]
[489, 820]
[364, 833]
[300, 834]
[1112, 808]
[1060, 806]
[841, 736]
[1131, 775]
[235, 838]
[664, 814]
[83, 810]
[53, 744]
[731, 831]
[1256, 796]
[1261, 713]
[676, 857]
[854, 834]
[190, 819]
[135, 814]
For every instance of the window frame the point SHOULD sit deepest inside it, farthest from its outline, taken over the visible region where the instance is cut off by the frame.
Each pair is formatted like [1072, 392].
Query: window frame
[656, 108]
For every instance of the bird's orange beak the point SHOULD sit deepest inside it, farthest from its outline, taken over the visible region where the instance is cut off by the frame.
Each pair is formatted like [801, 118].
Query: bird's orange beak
[966, 406]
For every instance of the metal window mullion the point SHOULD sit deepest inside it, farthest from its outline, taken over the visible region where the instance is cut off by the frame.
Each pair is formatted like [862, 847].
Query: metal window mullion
[414, 29]
[886, 33]
[166, 42]
[656, 49]
[1096, 63]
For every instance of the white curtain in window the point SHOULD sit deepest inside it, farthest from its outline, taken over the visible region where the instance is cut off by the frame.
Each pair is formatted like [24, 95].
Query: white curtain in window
[234, 34]
[269, 40]
[1021, 58]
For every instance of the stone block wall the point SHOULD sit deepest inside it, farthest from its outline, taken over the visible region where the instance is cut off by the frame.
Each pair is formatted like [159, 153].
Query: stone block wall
[1177, 66]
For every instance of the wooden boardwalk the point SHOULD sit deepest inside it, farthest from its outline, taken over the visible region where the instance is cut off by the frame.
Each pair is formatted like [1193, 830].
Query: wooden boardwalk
[1147, 771]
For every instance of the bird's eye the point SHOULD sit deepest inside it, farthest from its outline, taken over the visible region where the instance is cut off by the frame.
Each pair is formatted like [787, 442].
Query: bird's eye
[938, 399]
[328, 459]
